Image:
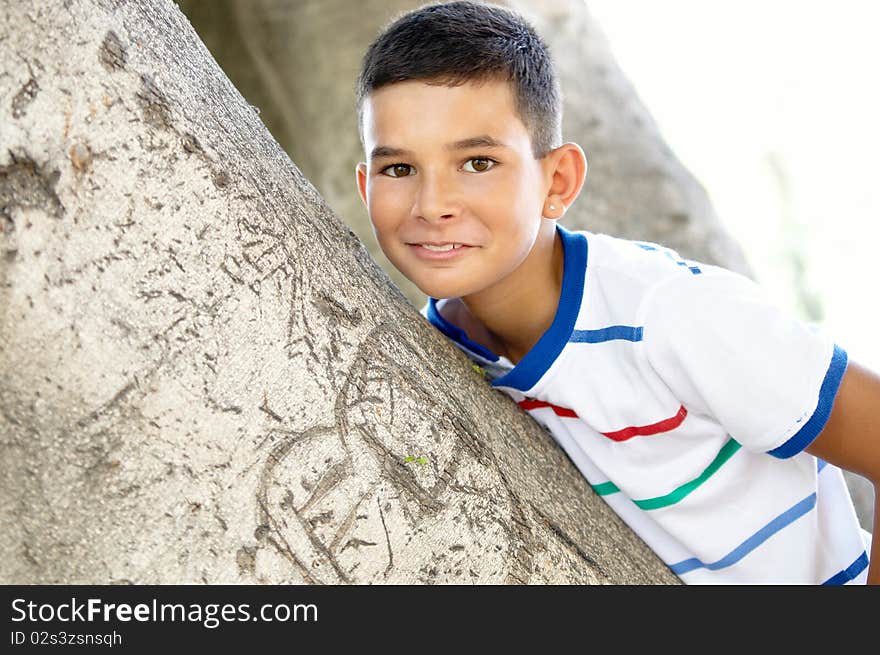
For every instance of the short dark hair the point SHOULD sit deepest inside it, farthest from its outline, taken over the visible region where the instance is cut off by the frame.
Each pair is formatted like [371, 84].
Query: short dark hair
[457, 42]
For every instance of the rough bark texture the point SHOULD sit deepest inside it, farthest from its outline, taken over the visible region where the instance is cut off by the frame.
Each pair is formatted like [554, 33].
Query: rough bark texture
[297, 61]
[204, 376]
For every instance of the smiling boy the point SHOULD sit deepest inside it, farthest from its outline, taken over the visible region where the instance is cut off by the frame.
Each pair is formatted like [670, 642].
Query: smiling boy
[503, 261]
[708, 419]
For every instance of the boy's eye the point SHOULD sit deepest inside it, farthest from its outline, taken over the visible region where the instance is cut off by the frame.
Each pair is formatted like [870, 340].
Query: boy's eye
[397, 170]
[479, 164]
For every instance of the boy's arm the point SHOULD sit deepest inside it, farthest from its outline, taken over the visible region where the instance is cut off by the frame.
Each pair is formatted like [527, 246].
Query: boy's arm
[851, 439]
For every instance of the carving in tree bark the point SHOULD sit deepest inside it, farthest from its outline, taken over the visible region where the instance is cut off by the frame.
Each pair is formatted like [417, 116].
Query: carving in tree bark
[203, 374]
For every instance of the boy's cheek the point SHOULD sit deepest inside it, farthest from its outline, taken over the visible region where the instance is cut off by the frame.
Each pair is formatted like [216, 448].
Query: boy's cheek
[385, 207]
[381, 216]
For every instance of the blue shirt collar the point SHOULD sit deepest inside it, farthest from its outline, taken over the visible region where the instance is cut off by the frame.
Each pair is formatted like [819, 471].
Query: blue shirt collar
[532, 367]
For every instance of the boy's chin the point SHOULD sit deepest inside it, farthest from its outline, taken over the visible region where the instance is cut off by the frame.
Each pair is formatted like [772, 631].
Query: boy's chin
[441, 291]
[440, 284]
[434, 292]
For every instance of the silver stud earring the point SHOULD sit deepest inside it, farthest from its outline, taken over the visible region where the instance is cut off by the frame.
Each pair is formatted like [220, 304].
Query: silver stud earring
[552, 206]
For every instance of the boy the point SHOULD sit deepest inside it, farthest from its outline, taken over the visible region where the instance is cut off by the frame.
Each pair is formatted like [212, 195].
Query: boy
[708, 419]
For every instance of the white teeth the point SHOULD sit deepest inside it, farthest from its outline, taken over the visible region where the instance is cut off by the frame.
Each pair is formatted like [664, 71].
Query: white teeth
[448, 246]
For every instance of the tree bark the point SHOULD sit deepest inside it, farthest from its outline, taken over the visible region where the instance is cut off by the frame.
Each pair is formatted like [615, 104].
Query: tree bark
[204, 377]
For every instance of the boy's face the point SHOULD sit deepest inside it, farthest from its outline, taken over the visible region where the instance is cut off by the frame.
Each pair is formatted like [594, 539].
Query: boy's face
[451, 165]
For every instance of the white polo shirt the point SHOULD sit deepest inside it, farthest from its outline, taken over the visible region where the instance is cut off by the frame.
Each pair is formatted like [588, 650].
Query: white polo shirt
[686, 399]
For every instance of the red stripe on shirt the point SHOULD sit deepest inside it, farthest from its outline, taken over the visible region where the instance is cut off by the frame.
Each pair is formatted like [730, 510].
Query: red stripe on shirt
[618, 435]
[644, 430]
[530, 403]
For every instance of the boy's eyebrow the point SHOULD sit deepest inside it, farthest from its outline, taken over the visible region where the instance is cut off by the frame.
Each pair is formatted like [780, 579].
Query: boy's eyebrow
[482, 141]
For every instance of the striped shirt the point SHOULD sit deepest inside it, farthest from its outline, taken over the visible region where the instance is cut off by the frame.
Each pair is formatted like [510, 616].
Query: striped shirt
[686, 400]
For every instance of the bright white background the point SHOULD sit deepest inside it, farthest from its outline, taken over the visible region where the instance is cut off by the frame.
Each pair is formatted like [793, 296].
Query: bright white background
[774, 106]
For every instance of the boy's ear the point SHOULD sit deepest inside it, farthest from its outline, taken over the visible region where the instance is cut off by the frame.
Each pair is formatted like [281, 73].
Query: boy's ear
[566, 170]
[360, 172]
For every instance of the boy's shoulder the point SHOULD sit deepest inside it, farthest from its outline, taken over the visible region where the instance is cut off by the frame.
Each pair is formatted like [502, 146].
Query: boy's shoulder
[624, 275]
[646, 260]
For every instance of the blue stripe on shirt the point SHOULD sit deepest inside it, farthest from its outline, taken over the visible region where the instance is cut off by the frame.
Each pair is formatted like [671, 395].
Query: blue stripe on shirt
[850, 572]
[786, 518]
[811, 429]
[666, 251]
[611, 333]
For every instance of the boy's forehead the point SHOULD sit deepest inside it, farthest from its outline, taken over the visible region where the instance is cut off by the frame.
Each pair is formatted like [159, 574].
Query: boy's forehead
[413, 111]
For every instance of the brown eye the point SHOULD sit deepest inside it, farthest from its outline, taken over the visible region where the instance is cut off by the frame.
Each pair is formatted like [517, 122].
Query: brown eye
[478, 164]
[398, 170]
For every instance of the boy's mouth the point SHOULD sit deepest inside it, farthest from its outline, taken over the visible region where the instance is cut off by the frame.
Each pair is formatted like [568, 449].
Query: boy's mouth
[440, 247]
[438, 251]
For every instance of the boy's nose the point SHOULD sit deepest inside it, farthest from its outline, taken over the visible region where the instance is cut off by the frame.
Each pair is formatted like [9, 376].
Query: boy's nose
[436, 198]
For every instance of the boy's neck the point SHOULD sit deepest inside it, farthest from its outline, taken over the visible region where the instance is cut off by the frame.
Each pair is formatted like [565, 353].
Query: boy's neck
[517, 311]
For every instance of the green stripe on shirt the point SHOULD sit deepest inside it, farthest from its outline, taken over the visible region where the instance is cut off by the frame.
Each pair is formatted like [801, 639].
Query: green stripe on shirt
[605, 488]
[726, 452]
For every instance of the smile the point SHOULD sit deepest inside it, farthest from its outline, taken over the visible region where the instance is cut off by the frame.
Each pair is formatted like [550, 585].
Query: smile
[444, 247]
[438, 251]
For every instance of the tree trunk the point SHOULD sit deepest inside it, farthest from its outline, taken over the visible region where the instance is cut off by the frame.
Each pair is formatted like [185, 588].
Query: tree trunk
[204, 376]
